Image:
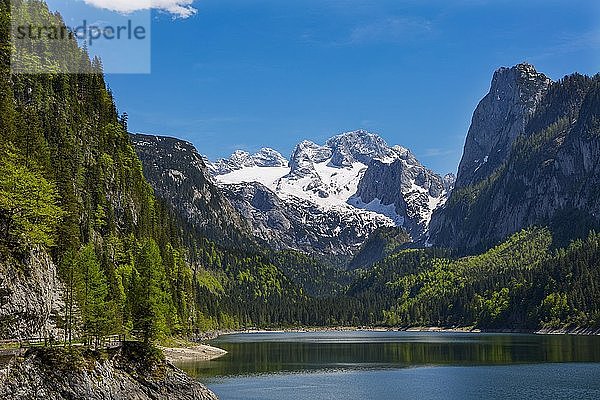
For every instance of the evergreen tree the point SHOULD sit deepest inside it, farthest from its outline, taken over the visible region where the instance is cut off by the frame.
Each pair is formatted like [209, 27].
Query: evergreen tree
[149, 300]
[92, 291]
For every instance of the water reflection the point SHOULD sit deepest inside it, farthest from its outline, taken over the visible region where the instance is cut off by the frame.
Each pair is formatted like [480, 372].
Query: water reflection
[251, 354]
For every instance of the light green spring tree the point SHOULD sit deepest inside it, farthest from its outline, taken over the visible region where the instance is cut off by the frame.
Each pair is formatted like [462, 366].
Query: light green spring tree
[29, 213]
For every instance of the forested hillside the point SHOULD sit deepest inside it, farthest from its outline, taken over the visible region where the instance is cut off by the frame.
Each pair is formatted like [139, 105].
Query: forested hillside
[178, 175]
[72, 186]
[74, 199]
[520, 284]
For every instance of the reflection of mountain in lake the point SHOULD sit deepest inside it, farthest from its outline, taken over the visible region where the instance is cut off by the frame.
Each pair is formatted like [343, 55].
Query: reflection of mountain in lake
[292, 352]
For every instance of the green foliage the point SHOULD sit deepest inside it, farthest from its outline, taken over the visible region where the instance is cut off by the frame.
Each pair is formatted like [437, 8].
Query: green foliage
[65, 360]
[92, 294]
[520, 284]
[150, 303]
[144, 360]
[130, 263]
[492, 309]
[554, 310]
[210, 281]
[29, 213]
[444, 293]
[380, 244]
[315, 276]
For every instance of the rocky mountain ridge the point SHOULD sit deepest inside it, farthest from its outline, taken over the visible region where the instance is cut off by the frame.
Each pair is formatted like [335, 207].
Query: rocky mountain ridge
[499, 119]
[296, 223]
[265, 157]
[331, 197]
[343, 177]
[547, 169]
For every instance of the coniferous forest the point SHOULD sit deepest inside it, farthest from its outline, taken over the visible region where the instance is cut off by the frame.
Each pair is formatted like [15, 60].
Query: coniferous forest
[72, 186]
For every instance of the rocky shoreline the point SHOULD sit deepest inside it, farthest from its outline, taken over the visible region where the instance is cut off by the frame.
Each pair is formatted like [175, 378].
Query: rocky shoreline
[194, 353]
[131, 372]
[466, 329]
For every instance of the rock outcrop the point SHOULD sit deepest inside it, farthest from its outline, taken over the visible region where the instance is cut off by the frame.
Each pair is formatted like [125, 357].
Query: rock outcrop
[58, 374]
[30, 296]
[412, 190]
[499, 119]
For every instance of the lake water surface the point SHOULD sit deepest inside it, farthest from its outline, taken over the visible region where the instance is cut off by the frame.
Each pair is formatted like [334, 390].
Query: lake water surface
[402, 365]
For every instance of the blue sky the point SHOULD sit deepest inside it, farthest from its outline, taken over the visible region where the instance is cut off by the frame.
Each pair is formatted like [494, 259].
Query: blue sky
[252, 73]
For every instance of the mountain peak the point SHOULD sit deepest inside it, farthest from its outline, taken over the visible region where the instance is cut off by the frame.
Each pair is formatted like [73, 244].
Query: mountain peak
[547, 180]
[355, 133]
[522, 79]
[239, 157]
[308, 153]
[357, 146]
[359, 135]
[265, 157]
[499, 119]
[354, 176]
[524, 67]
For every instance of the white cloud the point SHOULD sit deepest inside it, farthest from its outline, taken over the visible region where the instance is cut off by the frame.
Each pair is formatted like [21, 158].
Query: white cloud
[179, 8]
[391, 29]
[438, 152]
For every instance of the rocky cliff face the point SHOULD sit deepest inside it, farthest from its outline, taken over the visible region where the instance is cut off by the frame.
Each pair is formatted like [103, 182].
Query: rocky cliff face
[30, 297]
[53, 374]
[402, 182]
[550, 174]
[498, 119]
[179, 175]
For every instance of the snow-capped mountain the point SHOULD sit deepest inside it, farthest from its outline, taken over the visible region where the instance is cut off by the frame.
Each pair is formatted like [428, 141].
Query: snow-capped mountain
[301, 224]
[266, 157]
[413, 190]
[354, 178]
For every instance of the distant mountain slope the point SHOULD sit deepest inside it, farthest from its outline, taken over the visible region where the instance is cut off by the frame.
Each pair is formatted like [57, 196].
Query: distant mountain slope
[339, 192]
[266, 157]
[520, 284]
[179, 175]
[549, 173]
[382, 243]
[299, 224]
